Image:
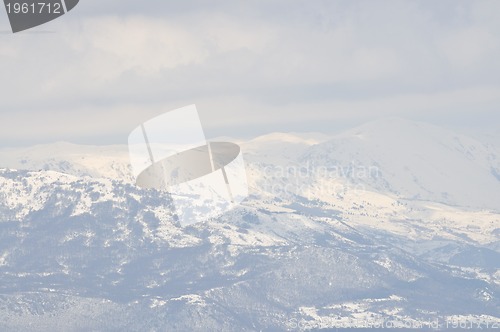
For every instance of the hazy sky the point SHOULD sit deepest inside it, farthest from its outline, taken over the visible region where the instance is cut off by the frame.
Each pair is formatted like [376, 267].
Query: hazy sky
[251, 67]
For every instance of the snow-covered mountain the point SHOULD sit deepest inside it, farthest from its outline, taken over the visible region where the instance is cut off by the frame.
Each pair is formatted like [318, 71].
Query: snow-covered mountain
[79, 160]
[318, 244]
[416, 161]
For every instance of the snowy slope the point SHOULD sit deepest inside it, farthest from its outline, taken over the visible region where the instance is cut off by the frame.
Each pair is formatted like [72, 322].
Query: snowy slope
[79, 160]
[78, 240]
[113, 251]
[279, 148]
[415, 161]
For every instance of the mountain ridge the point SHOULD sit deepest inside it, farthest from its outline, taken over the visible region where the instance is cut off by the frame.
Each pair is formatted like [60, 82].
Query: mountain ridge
[310, 246]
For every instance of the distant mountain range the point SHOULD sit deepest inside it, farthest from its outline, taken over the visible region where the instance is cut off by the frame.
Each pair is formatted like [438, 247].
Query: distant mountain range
[394, 222]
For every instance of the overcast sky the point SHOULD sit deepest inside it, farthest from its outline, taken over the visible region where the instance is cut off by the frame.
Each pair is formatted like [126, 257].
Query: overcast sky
[251, 67]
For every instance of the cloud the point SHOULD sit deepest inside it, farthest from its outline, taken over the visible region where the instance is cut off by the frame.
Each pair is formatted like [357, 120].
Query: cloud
[264, 65]
[468, 47]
